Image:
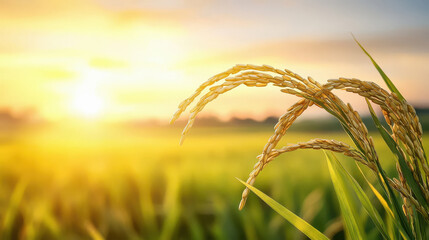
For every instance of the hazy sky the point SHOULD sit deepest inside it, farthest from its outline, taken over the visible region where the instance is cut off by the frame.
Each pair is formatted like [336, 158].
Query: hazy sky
[120, 60]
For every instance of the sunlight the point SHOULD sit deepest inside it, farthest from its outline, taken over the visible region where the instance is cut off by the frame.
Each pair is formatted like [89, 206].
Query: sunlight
[86, 101]
[87, 105]
[163, 50]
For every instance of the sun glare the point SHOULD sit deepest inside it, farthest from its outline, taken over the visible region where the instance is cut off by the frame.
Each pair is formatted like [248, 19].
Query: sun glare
[87, 104]
[86, 101]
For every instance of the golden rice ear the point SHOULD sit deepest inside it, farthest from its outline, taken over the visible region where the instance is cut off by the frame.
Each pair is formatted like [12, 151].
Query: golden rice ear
[223, 75]
[286, 76]
[406, 128]
[249, 78]
[185, 103]
[284, 122]
[400, 116]
[345, 113]
[325, 144]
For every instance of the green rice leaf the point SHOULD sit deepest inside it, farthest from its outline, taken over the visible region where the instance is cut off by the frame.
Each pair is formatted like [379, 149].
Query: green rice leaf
[386, 79]
[397, 210]
[345, 198]
[403, 226]
[386, 206]
[408, 175]
[419, 225]
[376, 193]
[348, 180]
[298, 222]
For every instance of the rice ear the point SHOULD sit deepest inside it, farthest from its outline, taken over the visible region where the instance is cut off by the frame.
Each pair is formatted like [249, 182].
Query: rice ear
[280, 129]
[399, 114]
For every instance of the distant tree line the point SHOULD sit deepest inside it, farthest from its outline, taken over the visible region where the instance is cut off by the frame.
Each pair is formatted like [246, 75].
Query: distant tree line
[327, 124]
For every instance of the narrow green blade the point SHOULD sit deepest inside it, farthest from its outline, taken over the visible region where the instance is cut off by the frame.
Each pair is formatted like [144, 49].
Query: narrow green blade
[386, 206]
[348, 208]
[419, 225]
[377, 194]
[399, 215]
[348, 180]
[408, 175]
[298, 222]
[386, 79]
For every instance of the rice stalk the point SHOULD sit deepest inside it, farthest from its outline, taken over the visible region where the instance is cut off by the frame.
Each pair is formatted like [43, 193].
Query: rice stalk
[406, 130]
[403, 122]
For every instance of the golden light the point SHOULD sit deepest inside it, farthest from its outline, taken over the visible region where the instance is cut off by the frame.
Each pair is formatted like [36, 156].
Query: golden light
[86, 101]
[87, 104]
[163, 50]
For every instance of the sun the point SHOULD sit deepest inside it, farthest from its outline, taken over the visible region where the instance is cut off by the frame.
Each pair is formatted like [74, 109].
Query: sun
[86, 100]
[87, 104]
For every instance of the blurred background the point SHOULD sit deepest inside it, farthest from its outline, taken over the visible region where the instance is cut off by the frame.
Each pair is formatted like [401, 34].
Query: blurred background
[88, 87]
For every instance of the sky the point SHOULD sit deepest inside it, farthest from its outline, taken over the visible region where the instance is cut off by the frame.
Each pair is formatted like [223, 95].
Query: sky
[126, 60]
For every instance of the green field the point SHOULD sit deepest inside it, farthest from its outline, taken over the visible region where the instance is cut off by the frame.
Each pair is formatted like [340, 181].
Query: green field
[86, 182]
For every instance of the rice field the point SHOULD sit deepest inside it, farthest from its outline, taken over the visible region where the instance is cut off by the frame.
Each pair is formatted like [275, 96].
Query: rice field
[93, 182]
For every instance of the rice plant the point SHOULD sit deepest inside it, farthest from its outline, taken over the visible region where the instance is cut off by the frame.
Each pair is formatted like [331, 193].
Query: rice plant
[405, 197]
